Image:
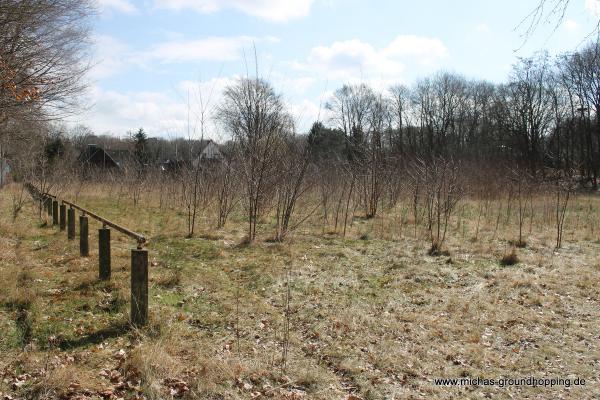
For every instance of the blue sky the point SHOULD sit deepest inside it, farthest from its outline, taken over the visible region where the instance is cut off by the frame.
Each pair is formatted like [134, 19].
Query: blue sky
[156, 62]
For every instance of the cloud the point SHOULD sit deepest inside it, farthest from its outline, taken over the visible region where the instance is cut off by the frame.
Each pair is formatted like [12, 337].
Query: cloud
[210, 90]
[123, 6]
[483, 28]
[353, 60]
[571, 25]
[112, 56]
[206, 49]
[593, 6]
[305, 113]
[204, 95]
[295, 85]
[109, 56]
[426, 50]
[116, 113]
[271, 10]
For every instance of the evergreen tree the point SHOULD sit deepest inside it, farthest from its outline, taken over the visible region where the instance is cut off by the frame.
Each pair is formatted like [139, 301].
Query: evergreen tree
[325, 143]
[140, 148]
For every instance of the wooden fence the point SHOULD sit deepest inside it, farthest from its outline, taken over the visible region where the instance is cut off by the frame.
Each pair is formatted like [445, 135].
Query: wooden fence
[65, 219]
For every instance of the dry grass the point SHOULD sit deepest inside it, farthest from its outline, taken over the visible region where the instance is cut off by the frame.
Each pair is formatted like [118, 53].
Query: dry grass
[371, 315]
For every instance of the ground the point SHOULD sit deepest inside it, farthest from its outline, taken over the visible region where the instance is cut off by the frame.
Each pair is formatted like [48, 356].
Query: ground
[320, 316]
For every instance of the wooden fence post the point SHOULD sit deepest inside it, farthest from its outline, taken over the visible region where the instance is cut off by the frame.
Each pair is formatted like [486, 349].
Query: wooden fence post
[84, 248]
[54, 212]
[63, 217]
[49, 205]
[139, 287]
[104, 253]
[71, 224]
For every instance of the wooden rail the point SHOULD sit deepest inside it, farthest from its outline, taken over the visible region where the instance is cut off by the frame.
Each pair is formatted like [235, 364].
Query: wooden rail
[141, 240]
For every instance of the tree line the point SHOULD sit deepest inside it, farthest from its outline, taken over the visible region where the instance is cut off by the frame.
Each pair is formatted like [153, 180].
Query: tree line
[544, 116]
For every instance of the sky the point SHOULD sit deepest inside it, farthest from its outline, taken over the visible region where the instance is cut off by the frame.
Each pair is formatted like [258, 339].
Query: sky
[163, 64]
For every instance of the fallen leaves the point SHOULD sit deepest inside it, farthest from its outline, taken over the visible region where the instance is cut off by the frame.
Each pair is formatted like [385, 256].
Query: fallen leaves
[353, 397]
[177, 387]
[19, 381]
[122, 382]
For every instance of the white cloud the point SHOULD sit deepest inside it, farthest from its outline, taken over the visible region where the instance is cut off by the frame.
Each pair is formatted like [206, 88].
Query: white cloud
[210, 90]
[426, 50]
[272, 10]
[123, 6]
[305, 113]
[295, 85]
[116, 112]
[355, 60]
[206, 49]
[352, 58]
[110, 56]
[571, 25]
[483, 28]
[593, 6]
[205, 95]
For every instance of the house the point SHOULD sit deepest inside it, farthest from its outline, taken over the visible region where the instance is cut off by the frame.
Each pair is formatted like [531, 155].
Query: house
[94, 156]
[122, 157]
[208, 152]
[182, 153]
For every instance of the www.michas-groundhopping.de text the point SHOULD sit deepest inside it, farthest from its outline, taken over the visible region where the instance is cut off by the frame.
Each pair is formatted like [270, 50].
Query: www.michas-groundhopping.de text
[505, 382]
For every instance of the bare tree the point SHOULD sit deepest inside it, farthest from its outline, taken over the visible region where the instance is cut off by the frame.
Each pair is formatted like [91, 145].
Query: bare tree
[400, 104]
[255, 116]
[293, 165]
[528, 109]
[43, 57]
[375, 172]
[563, 188]
[349, 107]
[364, 117]
[440, 180]
[520, 182]
[227, 189]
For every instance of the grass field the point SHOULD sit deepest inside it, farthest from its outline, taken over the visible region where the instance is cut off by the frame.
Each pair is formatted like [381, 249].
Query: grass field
[319, 316]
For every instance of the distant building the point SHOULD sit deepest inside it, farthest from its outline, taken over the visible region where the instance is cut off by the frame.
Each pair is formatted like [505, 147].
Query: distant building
[190, 154]
[209, 151]
[94, 156]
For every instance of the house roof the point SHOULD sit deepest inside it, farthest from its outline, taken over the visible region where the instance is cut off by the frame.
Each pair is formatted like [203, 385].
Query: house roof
[202, 145]
[95, 154]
